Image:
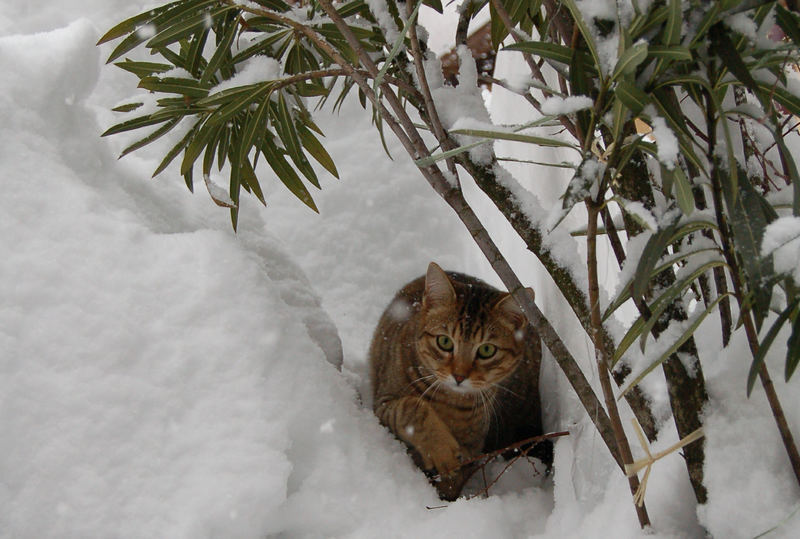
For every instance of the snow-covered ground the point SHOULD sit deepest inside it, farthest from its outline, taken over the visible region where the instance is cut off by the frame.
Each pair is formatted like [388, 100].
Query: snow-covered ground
[163, 377]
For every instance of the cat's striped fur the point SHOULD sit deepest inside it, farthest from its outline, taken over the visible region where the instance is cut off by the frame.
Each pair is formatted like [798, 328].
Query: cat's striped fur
[455, 371]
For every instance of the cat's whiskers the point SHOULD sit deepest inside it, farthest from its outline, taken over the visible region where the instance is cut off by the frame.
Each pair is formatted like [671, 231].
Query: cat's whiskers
[499, 386]
[421, 379]
[489, 404]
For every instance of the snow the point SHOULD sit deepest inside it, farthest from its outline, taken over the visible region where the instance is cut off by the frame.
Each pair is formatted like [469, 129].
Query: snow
[566, 105]
[666, 142]
[161, 376]
[251, 71]
[782, 241]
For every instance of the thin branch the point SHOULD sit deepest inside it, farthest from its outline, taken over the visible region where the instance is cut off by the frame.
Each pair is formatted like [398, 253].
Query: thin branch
[603, 362]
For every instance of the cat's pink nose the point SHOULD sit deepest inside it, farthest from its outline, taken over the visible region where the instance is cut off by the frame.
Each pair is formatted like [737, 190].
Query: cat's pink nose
[459, 378]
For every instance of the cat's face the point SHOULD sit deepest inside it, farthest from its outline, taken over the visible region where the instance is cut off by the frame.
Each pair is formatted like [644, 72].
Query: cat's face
[471, 341]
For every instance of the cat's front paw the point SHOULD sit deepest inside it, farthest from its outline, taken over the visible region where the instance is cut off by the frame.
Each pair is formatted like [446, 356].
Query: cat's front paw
[444, 455]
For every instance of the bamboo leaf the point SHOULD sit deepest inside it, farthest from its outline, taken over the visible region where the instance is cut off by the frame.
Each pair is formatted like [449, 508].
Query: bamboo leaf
[588, 37]
[793, 349]
[198, 142]
[631, 96]
[317, 150]
[766, 343]
[256, 123]
[175, 85]
[551, 51]
[436, 5]
[130, 25]
[133, 123]
[673, 53]
[630, 60]
[579, 85]
[710, 17]
[398, 44]
[291, 141]
[673, 294]
[687, 333]
[748, 222]
[127, 107]
[170, 156]
[517, 137]
[249, 177]
[175, 31]
[682, 190]
[788, 23]
[652, 253]
[670, 109]
[155, 135]
[672, 29]
[223, 50]
[286, 174]
[143, 69]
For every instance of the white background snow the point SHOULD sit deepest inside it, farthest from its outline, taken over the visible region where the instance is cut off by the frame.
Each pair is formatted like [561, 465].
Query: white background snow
[163, 377]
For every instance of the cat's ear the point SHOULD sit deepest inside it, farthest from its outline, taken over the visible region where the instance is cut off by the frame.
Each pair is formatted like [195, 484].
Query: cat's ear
[439, 290]
[508, 308]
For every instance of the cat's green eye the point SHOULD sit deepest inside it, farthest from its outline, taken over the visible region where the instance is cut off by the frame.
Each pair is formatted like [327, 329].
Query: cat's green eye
[445, 343]
[486, 350]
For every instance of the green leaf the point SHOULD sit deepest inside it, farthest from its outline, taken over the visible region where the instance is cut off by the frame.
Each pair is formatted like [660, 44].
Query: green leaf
[672, 294]
[630, 60]
[238, 101]
[579, 85]
[670, 110]
[674, 53]
[143, 69]
[133, 123]
[176, 150]
[652, 253]
[194, 56]
[130, 25]
[555, 52]
[788, 23]
[748, 222]
[286, 174]
[436, 5]
[155, 135]
[766, 343]
[588, 37]
[175, 85]
[517, 137]
[198, 142]
[682, 190]
[710, 17]
[186, 27]
[127, 107]
[793, 349]
[317, 150]
[256, 124]
[159, 19]
[551, 51]
[398, 44]
[583, 179]
[291, 141]
[672, 29]
[223, 51]
[249, 177]
[631, 96]
[620, 115]
[687, 333]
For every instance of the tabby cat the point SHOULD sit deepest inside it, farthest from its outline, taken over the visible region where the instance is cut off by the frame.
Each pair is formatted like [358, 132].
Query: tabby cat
[455, 372]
